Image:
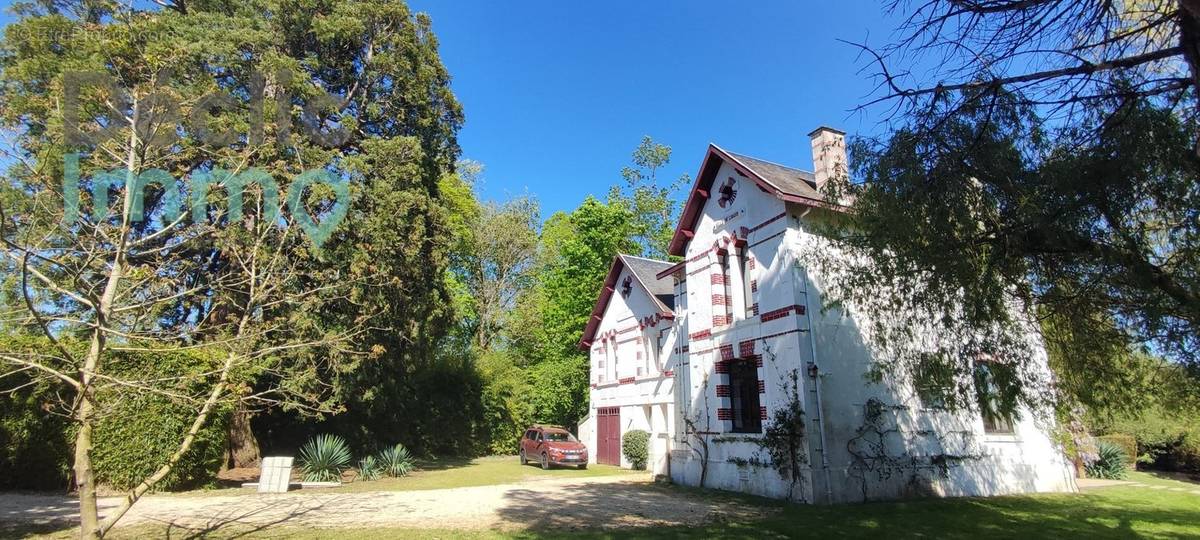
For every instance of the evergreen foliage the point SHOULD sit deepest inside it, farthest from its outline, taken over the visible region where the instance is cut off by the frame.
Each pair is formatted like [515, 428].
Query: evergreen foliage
[324, 458]
[635, 446]
[1111, 463]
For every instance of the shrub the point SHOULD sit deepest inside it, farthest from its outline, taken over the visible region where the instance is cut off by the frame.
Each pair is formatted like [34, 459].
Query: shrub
[506, 410]
[135, 433]
[396, 461]
[35, 452]
[1171, 451]
[1111, 463]
[368, 469]
[635, 445]
[1127, 444]
[1166, 440]
[138, 431]
[323, 458]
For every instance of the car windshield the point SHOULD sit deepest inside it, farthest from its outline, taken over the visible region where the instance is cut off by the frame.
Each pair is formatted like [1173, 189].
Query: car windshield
[559, 437]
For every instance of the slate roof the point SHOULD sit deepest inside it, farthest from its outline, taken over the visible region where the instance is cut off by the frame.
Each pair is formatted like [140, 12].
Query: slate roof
[787, 179]
[647, 271]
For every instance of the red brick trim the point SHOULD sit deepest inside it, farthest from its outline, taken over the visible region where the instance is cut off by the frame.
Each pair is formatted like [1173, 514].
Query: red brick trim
[769, 238]
[703, 334]
[762, 387]
[722, 390]
[746, 348]
[700, 255]
[717, 279]
[721, 320]
[653, 320]
[762, 413]
[615, 333]
[724, 414]
[625, 380]
[721, 367]
[768, 222]
[727, 352]
[754, 285]
[781, 313]
[719, 299]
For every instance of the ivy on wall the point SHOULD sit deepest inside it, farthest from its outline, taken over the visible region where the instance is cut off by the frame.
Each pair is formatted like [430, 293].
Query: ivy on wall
[872, 464]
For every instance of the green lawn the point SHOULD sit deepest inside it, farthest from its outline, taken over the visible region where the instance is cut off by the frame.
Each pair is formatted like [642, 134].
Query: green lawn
[451, 473]
[483, 471]
[1111, 512]
[1160, 479]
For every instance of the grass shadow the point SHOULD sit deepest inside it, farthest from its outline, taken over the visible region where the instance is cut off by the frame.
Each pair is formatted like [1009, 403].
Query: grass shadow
[629, 511]
[1187, 478]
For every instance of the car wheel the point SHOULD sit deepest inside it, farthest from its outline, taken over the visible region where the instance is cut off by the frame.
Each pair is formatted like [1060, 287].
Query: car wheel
[545, 462]
[582, 466]
[523, 460]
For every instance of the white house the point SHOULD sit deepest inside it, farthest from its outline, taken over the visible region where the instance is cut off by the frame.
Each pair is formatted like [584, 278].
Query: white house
[630, 335]
[705, 352]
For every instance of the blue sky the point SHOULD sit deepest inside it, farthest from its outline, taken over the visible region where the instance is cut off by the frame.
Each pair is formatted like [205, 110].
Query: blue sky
[558, 94]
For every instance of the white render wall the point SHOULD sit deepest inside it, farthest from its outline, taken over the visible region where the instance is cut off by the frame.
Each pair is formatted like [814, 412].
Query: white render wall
[862, 453]
[646, 400]
[1026, 461]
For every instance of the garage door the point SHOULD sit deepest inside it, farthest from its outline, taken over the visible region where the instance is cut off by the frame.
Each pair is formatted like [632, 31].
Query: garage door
[608, 435]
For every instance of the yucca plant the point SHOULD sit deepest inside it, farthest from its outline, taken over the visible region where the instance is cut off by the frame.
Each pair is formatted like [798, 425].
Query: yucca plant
[323, 458]
[369, 469]
[396, 461]
[1110, 463]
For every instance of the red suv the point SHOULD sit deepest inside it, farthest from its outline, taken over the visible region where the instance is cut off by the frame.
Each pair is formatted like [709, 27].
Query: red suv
[552, 445]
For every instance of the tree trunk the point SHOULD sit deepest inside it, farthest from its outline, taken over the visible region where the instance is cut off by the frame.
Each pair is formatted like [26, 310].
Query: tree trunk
[242, 448]
[85, 479]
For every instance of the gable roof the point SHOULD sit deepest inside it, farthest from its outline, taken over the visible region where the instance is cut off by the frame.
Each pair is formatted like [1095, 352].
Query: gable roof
[786, 183]
[645, 272]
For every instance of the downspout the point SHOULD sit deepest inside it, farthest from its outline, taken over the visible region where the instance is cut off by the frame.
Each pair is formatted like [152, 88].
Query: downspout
[815, 373]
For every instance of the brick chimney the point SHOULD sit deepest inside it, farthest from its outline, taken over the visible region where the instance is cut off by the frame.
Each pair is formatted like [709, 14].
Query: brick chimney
[828, 153]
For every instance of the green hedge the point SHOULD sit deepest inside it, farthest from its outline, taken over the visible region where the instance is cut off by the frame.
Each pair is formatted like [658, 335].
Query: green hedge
[135, 433]
[139, 431]
[1165, 441]
[34, 449]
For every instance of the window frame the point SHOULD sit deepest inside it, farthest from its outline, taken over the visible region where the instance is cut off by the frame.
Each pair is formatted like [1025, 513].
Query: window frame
[726, 287]
[999, 425]
[747, 290]
[745, 402]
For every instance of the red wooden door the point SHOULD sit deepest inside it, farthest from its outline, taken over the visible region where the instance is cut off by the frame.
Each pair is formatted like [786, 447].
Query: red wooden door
[608, 435]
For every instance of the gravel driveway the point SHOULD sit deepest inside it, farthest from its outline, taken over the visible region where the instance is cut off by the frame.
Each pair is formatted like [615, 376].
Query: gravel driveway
[560, 504]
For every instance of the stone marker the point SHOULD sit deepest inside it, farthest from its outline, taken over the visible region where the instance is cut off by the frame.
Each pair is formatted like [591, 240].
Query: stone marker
[275, 474]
